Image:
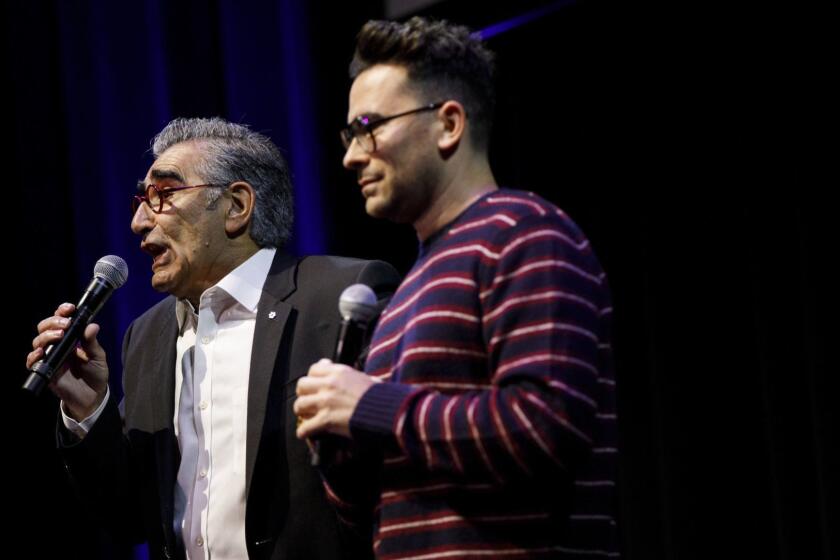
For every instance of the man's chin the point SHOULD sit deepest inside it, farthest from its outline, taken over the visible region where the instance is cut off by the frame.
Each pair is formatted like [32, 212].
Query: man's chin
[162, 283]
[376, 207]
[388, 210]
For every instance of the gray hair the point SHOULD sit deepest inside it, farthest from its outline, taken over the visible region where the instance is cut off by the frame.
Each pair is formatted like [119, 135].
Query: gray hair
[233, 152]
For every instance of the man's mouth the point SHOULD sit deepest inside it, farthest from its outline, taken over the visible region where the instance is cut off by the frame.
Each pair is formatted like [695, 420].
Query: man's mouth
[367, 184]
[158, 253]
[364, 181]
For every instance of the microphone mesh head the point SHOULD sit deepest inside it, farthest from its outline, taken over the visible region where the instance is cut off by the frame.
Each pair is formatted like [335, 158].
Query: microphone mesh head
[357, 303]
[112, 269]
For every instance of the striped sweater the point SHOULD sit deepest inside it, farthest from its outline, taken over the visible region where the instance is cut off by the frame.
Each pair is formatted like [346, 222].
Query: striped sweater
[496, 410]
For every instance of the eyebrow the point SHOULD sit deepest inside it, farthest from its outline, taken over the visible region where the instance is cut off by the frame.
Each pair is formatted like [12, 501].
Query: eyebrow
[369, 116]
[161, 174]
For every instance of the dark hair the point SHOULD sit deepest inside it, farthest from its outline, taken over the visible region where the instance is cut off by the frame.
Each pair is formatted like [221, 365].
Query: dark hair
[233, 152]
[444, 61]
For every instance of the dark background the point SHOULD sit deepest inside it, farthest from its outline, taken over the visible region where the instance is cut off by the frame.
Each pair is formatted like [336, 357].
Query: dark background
[671, 136]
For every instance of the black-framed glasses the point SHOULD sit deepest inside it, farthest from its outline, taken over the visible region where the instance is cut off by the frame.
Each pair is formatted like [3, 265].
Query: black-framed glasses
[155, 195]
[361, 128]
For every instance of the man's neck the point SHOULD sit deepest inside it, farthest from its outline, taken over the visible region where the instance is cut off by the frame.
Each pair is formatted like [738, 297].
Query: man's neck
[233, 257]
[455, 195]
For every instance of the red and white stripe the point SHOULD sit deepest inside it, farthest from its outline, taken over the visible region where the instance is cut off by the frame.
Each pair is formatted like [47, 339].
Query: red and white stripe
[500, 217]
[429, 316]
[513, 200]
[433, 285]
[450, 253]
[549, 295]
[542, 328]
[537, 266]
[542, 234]
[543, 358]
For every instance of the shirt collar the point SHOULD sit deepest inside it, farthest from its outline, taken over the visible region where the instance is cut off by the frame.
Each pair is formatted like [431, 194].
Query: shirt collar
[244, 284]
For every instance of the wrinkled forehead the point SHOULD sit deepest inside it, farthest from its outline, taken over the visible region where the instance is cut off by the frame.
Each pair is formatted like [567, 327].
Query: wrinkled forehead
[179, 163]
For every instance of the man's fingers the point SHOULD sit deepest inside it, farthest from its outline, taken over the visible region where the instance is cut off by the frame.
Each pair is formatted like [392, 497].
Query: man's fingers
[93, 350]
[83, 356]
[306, 406]
[46, 338]
[306, 386]
[327, 398]
[33, 357]
[53, 323]
[91, 331]
[320, 368]
[65, 309]
[314, 425]
[309, 385]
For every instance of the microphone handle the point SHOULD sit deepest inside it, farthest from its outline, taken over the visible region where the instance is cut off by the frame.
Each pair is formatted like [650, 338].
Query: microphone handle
[55, 355]
[349, 344]
[348, 347]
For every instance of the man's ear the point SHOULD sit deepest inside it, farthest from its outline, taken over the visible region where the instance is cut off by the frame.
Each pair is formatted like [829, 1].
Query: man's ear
[239, 209]
[453, 116]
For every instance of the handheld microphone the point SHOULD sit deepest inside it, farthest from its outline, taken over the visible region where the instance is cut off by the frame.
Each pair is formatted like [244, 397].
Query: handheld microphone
[110, 273]
[357, 305]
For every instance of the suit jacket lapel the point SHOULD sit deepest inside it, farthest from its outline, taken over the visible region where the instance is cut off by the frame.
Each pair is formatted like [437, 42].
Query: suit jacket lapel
[272, 315]
[162, 404]
[163, 356]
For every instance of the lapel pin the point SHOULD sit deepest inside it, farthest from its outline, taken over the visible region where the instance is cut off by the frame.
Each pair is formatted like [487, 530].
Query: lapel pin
[272, 315]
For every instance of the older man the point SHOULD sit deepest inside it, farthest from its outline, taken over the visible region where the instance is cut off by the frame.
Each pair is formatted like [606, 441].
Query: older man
[204, 462]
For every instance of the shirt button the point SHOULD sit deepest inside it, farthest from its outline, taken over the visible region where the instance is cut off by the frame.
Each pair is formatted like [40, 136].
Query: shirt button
[205, 339]
[199, 541]
[202, 474]
[203, 405]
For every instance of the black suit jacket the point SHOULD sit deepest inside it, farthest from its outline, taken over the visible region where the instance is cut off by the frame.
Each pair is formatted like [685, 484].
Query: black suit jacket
[127, 471]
